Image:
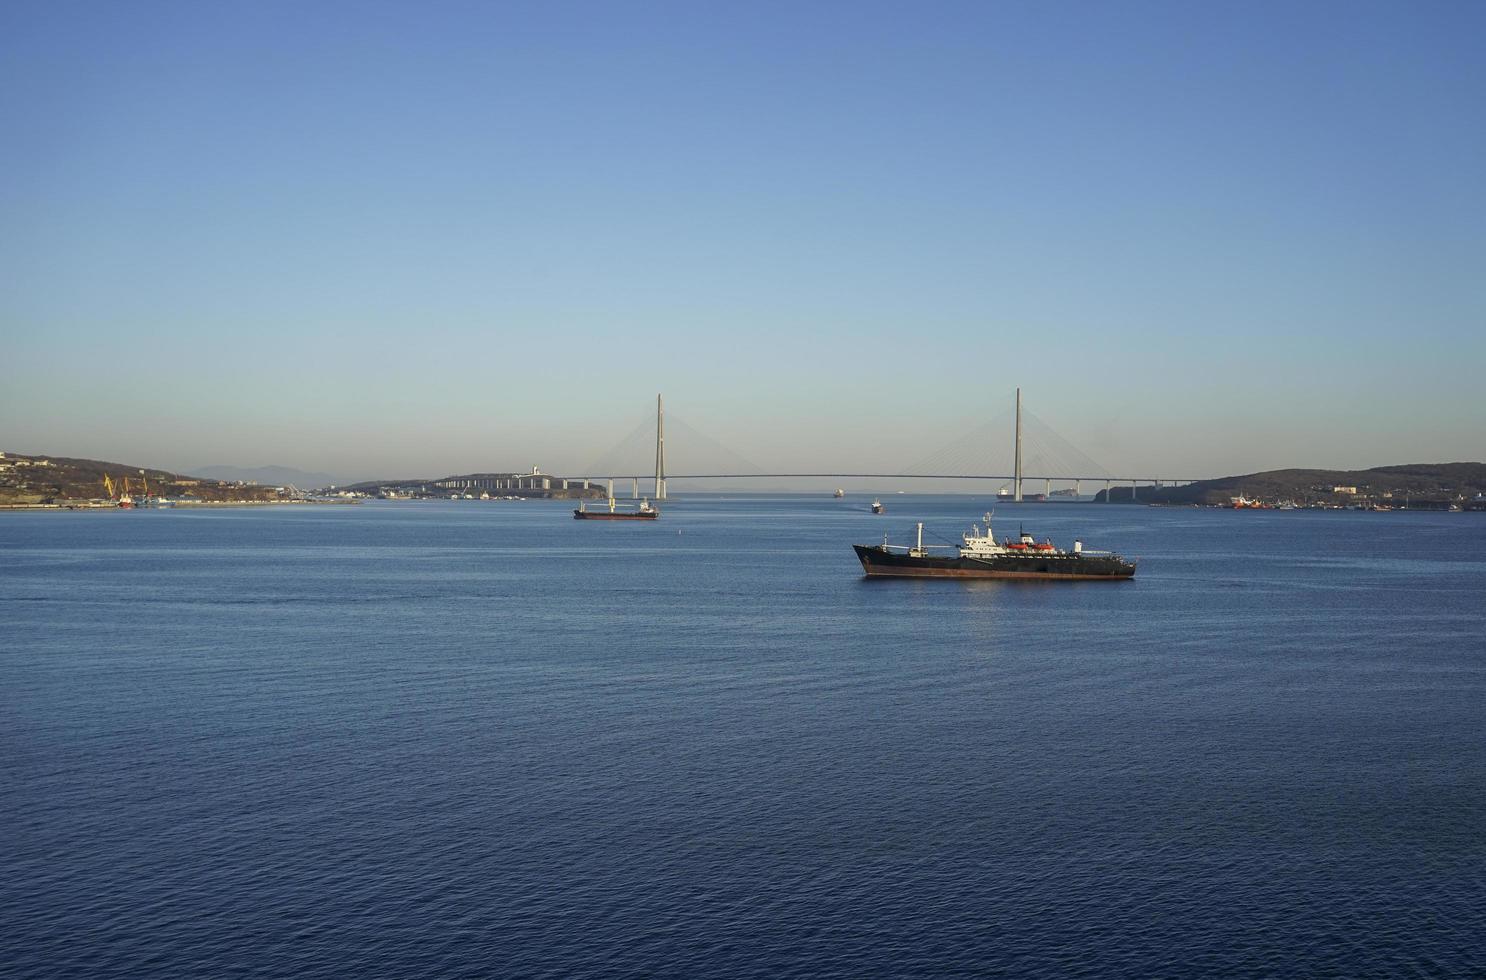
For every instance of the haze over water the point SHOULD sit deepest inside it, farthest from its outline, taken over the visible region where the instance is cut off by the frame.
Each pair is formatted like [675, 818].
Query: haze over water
[471, 738]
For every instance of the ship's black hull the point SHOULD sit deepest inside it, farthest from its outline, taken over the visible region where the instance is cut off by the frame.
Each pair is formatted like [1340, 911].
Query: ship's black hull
[877, 562]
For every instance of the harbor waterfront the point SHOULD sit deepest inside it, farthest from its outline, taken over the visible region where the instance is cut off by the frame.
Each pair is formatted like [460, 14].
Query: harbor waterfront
[461, 739]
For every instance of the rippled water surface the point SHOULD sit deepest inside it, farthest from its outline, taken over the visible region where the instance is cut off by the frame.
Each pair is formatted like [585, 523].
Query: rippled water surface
[483, 739]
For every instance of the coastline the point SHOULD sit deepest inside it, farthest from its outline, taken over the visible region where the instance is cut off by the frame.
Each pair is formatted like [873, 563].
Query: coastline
[188, 505]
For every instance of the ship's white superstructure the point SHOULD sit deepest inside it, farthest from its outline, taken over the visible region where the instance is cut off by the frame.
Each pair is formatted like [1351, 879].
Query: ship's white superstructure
[974, 544]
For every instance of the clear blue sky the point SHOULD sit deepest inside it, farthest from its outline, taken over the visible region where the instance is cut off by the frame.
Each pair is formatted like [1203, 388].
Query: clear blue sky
[427, 237]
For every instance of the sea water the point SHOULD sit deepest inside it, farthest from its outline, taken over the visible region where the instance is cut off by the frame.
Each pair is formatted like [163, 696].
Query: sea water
[483, 739]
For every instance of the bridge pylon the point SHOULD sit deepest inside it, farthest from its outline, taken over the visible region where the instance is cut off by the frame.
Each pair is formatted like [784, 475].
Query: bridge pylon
[1016, 480]
[660, 449]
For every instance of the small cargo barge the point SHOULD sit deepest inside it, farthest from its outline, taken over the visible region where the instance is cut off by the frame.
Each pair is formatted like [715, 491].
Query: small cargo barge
[982, 556]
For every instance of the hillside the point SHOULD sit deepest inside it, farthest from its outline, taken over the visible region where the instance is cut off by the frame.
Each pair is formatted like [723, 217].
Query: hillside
[1418, 482]
[28, 479]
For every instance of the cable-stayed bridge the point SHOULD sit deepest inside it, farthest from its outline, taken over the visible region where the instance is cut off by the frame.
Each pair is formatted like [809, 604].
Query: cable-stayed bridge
[1015, 448]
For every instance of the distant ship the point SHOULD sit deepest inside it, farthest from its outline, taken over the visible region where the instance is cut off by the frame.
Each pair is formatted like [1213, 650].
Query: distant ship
[643, 512]
[1007, 496]
[840, 493]
[981, 556]
[877, 507]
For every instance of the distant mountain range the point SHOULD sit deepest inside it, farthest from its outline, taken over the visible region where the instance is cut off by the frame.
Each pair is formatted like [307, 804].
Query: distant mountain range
[268, 476]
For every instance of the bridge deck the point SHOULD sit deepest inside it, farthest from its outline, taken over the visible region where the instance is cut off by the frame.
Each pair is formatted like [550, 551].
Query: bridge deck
[907, 476]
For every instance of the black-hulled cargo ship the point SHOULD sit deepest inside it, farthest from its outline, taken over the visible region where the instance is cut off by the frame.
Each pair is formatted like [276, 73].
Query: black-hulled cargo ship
[642, 512]
[982, 556]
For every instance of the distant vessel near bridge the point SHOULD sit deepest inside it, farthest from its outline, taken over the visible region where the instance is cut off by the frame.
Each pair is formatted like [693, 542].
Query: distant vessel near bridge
[642, 512]
[613, 512]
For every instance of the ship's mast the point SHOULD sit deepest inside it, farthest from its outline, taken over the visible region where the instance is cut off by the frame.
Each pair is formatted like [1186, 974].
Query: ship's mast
[1017, 479]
